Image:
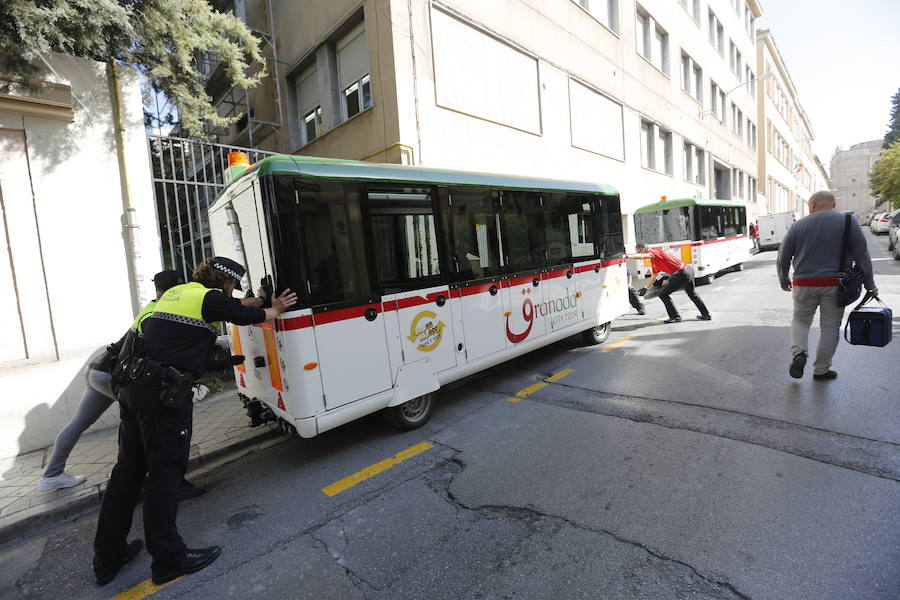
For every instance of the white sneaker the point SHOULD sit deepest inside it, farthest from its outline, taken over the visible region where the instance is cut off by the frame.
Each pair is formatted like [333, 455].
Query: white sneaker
[64, 480]
[200, 392]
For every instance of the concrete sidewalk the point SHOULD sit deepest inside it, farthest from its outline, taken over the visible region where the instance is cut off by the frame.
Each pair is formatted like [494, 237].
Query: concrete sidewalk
[221, 435]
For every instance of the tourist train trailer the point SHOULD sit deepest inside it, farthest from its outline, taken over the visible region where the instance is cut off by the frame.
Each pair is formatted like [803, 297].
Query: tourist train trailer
[710, 235]
[408, 278]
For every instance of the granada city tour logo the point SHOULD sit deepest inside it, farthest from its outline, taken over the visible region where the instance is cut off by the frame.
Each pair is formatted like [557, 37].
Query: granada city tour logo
[426, 331]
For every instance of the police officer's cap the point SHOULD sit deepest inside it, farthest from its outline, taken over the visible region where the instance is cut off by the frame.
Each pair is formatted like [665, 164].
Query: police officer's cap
[167, 279]
[230, 268]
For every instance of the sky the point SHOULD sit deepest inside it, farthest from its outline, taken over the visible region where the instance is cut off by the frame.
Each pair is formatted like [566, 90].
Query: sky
[844, 60]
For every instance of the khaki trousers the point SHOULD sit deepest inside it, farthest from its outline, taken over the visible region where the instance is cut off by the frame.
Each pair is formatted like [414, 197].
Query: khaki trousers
[806, 301]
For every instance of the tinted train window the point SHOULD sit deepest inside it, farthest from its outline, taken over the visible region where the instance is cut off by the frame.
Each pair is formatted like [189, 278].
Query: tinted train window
[613, 240]
[470, 225]
[710, 222]
[677, 224]
[332, 237]
[404, 236]
[582, 235]
[522, 231]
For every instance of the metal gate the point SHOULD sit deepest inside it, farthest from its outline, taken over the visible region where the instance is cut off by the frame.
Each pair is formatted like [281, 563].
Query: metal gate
[187, 177]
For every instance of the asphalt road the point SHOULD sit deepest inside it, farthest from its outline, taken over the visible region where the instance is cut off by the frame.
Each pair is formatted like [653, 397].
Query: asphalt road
[674, 461]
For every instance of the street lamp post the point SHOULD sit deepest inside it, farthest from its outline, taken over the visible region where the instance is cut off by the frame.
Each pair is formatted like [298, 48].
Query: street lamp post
[737, 87]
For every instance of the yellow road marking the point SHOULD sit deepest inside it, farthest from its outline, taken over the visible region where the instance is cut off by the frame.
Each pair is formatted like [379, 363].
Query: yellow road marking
[527, 391]
[615, 345]
[560, 375]
[348, 482]
[719, 289]
[144, 589]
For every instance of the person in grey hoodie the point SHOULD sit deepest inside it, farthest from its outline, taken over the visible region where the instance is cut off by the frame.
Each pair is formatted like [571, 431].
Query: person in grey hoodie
[813, 246]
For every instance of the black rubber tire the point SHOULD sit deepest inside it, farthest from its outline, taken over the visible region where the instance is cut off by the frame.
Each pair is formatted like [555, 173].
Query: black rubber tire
[412, 414]
[597, 335]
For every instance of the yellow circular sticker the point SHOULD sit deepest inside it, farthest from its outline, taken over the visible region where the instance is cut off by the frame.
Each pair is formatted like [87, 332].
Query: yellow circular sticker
[428, 334]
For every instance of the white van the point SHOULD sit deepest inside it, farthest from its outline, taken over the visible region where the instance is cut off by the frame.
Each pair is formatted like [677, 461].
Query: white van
[773, 228]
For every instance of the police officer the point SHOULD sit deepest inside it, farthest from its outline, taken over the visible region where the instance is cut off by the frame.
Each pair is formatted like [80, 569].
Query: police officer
[153, 378]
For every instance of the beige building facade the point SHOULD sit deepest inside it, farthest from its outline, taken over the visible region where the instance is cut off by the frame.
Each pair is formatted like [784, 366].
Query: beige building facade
[850, 171]
[656, 98]
[789, 168]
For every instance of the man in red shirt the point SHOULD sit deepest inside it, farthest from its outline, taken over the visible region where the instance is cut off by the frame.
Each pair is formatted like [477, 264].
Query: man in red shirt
[680, 276]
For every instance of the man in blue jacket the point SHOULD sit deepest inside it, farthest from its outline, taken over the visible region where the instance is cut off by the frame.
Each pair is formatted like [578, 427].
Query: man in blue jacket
[813, 246]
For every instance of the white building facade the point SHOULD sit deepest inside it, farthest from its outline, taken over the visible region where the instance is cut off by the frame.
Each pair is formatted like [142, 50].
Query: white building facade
[72, 274]
[656, 98]
[788, 166]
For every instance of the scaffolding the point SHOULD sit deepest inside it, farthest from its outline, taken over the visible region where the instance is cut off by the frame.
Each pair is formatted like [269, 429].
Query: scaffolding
[237, 102]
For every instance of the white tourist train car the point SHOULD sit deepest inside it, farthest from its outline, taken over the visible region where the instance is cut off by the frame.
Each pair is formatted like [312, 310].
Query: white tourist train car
[710, 235]
[408, 278]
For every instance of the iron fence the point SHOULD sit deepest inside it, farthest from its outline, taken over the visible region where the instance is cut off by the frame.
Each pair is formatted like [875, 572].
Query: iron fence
[187, 177]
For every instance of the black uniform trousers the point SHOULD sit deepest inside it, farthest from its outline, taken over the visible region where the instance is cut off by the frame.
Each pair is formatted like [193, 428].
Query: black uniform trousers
[154, 445]
[683, 278]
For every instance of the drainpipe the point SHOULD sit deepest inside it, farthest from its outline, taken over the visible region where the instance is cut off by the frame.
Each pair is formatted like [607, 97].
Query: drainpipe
[412, 50]
[130, 227]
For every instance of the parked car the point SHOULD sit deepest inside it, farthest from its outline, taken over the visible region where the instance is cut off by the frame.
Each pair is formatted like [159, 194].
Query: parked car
[893, 230]
[882, 225]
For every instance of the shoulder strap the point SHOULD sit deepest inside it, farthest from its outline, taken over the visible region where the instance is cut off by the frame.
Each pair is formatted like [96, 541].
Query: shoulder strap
[845, 245]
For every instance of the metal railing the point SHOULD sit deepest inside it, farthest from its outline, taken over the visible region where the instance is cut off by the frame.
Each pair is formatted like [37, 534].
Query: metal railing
[187, 177]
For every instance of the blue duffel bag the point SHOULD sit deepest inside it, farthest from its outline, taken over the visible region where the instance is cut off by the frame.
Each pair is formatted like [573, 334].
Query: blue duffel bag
[869, 325]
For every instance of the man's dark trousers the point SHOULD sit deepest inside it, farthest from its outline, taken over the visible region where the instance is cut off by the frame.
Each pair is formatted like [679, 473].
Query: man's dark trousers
[154, 444]
[683, 278]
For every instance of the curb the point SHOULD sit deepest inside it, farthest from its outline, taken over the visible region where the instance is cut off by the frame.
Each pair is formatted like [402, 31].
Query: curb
[268, 436]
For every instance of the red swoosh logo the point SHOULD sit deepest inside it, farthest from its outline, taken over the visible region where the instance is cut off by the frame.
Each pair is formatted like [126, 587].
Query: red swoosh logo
[528, 315]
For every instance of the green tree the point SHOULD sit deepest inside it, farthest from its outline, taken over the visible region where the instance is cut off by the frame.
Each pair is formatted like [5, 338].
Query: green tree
[885, 177]
[893, 133]
[162, 38]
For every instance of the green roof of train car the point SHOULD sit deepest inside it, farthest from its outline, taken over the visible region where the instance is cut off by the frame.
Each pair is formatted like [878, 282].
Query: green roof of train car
[329, 168]
[679, 202]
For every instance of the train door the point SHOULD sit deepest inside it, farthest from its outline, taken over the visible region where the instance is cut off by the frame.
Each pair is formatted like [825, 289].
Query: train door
[347, 312]
[562, 305]
[470, 223]
[239, 230]
[523, 250]
[412, 273]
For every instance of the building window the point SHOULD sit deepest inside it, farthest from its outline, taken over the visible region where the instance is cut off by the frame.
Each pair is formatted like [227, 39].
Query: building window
[751, 134]
[357, 97]
[750, 79]
[656, 148]
[693, 8]
[309, 105]
[716, 33]
[648, 155]
[691, 77]
[750, 23]
[694, 164]
[737, 120]
[735, 59]
[751, 188]
[353, 72]
[605, 11]
[652, 40]
[312, 125]
[717, 98]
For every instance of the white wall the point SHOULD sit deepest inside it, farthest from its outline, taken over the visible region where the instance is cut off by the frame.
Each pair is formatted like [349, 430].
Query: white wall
[77, 205]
